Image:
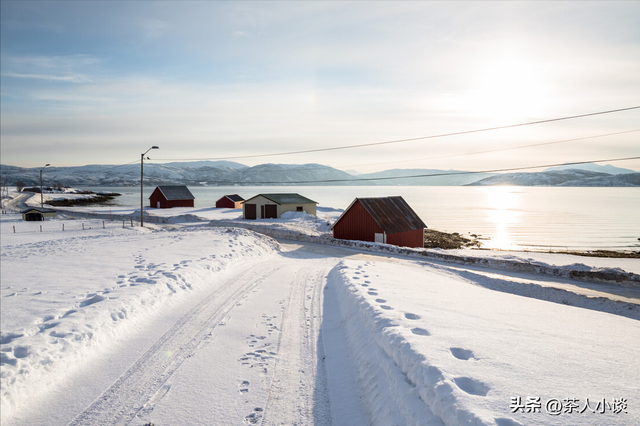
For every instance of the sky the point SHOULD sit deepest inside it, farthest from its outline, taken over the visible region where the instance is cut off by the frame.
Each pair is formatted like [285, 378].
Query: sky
[101, 82]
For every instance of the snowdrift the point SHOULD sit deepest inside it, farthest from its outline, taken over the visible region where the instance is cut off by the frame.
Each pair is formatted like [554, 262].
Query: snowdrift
[577, 271]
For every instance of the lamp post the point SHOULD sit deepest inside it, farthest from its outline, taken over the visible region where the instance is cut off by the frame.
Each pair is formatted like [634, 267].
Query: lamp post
[41, 199]
[142, 183]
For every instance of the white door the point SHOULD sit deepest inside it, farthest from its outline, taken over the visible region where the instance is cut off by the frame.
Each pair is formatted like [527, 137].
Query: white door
[158, 204]
[380, 238]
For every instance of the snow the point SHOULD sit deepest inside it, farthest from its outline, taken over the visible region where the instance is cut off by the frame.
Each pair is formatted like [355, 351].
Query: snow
[442, 349]
[195, 319]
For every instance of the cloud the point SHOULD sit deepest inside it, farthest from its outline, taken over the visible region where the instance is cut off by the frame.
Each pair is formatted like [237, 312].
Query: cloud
[76, 78]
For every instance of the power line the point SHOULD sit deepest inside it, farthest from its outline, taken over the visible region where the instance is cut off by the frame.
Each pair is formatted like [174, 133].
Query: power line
[511, 169]
[472, 153]
[494, 150]
[466, 132]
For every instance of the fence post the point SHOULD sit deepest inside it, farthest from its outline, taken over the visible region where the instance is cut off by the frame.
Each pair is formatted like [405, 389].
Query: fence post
[63, 226]
[40, 228]
[83, 226]
[103, 224]
[14, 229]
[131, 219]
[123, 224]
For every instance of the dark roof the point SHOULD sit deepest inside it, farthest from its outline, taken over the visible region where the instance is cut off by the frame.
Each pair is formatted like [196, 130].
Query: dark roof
[234, 197]
[290, 198]
[178, 192]
[392, 214]
[37, 209]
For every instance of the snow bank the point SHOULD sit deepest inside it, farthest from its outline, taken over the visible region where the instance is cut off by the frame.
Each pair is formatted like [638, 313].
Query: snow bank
[66, 295]
[430, 348]
[507, 262]
[397, 384]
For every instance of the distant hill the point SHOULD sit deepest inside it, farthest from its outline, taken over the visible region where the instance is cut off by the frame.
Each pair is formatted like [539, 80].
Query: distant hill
[215, 164]
[607, 168]
[430, 177]
[203, 173]
[619, 180]
[562, 177]
[228, 173]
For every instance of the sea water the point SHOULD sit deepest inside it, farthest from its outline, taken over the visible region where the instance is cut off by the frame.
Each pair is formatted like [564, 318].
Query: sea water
[506, 217]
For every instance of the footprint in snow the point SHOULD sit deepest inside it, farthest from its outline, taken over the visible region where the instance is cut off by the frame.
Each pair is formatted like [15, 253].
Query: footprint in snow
[411, 316]
[20, 351]
[463, 354]
[243, 387]
[420, 331]
[471, 386]
[253, 418]
[386, 307]
[373, 293]
[9, 337]
[44, 327]
[90, 301]
[381, 301]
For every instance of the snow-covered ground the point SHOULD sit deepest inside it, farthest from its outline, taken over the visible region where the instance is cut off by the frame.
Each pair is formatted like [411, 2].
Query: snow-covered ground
[186, 322]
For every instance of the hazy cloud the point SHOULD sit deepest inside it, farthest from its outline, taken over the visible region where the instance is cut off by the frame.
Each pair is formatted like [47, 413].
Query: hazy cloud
[222, 78]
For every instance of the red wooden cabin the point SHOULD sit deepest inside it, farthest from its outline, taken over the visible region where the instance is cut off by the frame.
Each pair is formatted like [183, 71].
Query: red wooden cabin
[166, 196]
[230, 201]
[387, 220]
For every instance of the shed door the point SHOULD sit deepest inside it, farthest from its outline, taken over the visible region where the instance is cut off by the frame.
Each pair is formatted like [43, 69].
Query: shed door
[158, 204]
[380, 238]
[271, 211]
[250, 211]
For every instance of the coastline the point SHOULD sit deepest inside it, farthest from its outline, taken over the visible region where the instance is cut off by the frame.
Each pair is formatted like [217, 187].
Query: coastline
[434, 239]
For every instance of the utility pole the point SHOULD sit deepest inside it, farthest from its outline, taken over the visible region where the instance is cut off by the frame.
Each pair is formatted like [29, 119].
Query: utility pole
[142, 183]
[41, 198]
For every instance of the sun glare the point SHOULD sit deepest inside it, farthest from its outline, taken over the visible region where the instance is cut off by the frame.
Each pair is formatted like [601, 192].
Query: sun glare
[501, 202]
[509, 89]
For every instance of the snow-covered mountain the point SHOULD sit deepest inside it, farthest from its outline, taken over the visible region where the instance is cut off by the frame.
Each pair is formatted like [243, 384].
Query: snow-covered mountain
[606, 168]
[227, 173]
[562, 177]
[622, 179]
[200, 173]
[424, 177]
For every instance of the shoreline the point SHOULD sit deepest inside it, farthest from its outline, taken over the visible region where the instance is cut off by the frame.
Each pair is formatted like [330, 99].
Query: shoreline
[434, 239]
[98, 199]
[610, 254]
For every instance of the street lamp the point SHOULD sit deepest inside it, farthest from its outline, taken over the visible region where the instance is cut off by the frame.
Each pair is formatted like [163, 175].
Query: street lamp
[142, 183]
[41, 200]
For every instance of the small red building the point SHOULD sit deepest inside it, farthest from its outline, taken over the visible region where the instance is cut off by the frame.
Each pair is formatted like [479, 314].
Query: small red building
[166, 196]
[387, 220]
[230, 201]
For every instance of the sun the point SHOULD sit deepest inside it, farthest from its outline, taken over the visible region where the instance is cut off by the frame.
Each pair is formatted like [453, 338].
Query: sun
[508, 89]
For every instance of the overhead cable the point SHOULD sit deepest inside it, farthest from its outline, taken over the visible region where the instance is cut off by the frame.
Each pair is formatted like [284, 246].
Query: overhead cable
[466, 132]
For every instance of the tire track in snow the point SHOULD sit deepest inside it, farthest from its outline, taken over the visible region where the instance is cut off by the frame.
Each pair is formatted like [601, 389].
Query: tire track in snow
[143, 384]
[298, 391]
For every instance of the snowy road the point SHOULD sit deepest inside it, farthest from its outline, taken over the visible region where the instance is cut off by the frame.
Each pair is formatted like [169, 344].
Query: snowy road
[223, 326]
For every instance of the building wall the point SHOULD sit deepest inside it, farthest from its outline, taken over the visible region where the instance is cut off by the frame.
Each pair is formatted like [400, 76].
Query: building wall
[356, 224]
[260, 201]
[167, 204]
[176, 203]
[413, 238]
[224, 202]
[310, 208]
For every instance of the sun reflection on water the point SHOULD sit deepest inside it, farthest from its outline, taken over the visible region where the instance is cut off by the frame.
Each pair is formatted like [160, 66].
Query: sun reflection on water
[502, 210]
